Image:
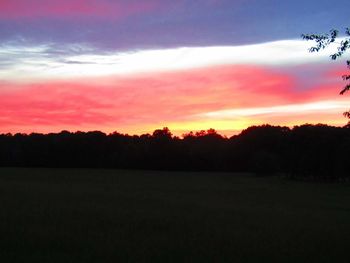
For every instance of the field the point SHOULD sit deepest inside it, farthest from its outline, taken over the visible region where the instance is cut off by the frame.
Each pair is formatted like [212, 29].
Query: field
[81, 215]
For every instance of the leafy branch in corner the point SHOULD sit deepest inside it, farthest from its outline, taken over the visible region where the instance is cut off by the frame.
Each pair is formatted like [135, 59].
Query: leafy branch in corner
[323, 41]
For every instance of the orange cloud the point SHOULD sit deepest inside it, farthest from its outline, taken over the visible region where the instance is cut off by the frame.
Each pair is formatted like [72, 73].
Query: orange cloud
[141, 103]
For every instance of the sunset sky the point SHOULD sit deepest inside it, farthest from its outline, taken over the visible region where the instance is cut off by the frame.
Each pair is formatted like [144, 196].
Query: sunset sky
[135, 66]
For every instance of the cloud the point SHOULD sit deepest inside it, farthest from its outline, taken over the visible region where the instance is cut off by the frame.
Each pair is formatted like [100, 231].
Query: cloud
[222, 97]
[129, 24]
[48, 61]
[24, 9]
[282, 110]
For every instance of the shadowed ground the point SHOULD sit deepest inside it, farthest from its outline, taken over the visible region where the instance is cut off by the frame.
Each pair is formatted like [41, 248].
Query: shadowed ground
[80, 215]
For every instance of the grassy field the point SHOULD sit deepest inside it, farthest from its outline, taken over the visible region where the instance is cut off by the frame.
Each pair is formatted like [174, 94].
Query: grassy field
[78, 215]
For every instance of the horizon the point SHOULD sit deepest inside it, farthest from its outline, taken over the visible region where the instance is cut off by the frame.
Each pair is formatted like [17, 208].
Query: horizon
[132, 66]
[195, 133]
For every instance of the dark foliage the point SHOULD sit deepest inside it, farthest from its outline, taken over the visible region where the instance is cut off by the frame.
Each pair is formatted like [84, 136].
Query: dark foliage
[307, 151]
[323, 41]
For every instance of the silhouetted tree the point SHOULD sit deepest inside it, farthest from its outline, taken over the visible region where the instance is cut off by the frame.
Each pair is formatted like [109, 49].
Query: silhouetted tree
[162, 134]
[323, 41]
[311, 152]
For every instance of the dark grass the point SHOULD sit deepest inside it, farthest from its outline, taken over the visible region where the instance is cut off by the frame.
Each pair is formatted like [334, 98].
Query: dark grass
[80, 215]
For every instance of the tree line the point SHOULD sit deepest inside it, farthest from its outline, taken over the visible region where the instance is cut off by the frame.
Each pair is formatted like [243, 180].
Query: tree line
[317, 152]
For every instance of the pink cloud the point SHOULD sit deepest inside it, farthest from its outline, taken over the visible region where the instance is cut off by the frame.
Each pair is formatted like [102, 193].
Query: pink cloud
[14, 9]
[136, 103]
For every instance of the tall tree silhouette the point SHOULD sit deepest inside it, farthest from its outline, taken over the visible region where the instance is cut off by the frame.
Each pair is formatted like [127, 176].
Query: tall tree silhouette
[323, 41]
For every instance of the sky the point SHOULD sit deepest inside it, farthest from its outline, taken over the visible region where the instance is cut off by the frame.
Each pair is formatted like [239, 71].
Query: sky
[135, 66]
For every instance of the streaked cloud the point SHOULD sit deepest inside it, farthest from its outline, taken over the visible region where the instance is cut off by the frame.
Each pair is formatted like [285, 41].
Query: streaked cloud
[135, 24]
[282, 110]
[227, 98]
[47, 61]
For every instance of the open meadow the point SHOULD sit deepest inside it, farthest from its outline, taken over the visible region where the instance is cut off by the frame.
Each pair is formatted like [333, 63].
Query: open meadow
[87, 215]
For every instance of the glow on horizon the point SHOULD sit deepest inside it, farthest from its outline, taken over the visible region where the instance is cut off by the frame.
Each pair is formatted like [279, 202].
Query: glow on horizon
[226, 98]
[313, 107]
